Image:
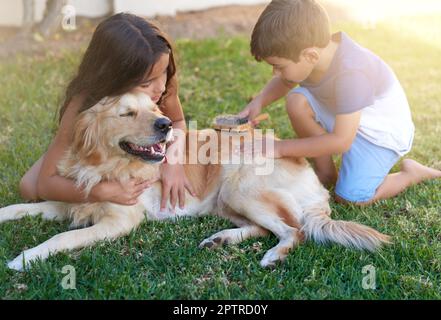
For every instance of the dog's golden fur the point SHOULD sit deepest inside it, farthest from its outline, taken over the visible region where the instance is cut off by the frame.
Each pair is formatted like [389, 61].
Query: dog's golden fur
[290, 202]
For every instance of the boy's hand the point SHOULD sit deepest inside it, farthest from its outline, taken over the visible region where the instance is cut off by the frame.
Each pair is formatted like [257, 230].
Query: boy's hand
[252, 110]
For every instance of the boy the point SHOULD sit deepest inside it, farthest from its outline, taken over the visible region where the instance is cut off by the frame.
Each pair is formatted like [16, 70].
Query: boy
[348, 102]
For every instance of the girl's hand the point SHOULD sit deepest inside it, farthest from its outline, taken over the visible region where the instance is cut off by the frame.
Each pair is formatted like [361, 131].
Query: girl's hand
[174, 183]
[119, 193]
[252, 110]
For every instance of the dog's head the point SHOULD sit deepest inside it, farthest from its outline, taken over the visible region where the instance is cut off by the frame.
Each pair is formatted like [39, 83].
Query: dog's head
[129, 126]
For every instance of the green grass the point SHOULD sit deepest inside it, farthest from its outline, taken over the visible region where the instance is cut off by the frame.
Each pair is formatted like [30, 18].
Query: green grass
[161, 260]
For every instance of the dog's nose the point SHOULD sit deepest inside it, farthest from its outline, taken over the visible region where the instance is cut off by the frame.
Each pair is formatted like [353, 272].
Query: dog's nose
[163, 125]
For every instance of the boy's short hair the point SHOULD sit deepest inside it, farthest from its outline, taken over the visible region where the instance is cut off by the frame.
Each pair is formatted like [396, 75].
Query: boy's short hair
[286, 27]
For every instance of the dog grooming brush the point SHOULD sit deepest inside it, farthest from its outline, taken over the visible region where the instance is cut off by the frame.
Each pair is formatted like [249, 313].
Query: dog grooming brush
[234, 123]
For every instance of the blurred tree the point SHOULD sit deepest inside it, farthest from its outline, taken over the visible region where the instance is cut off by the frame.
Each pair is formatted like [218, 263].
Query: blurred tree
[28, 15]
[31, 32]
[111, 5]
[51, 18]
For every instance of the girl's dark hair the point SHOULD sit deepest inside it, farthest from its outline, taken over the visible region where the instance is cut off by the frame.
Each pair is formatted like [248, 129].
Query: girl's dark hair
[122, 52]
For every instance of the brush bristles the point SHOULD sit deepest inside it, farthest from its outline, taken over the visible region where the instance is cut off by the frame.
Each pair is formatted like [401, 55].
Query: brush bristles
[230, 120]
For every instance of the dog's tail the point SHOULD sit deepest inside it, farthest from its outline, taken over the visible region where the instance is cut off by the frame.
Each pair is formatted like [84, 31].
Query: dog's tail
[322, 228]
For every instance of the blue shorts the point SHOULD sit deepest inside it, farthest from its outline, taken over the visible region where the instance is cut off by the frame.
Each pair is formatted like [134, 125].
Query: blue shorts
[363, 167]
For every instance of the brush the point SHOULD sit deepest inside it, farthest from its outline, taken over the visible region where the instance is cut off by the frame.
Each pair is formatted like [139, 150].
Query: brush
[234, 123]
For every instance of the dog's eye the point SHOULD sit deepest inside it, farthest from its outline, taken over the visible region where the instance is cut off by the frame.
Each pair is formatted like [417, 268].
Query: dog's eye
[128, 114]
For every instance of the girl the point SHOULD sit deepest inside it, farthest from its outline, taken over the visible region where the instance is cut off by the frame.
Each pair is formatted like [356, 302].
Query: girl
[126, 54]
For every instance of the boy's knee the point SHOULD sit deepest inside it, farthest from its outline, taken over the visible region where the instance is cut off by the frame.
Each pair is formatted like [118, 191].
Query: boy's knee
[298, 106]
[28, 190]
[328, 178]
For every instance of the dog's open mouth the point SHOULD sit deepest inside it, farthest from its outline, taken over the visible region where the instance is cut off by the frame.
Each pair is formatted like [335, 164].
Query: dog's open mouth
[151, 153]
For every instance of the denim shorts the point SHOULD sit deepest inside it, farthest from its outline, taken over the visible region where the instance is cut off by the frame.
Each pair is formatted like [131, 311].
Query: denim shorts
[363, 167]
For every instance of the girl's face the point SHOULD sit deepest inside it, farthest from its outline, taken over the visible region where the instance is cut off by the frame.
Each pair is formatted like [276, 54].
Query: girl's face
[154, 85]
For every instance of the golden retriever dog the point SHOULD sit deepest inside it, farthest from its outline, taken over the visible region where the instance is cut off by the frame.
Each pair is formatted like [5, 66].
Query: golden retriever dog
[126, 137]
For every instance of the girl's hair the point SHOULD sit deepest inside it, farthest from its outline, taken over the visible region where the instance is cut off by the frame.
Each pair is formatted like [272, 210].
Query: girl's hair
[286, 27]
[120, 55]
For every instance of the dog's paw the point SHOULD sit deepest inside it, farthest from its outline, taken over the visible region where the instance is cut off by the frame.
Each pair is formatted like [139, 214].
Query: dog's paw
[213, 242]
[17, 264]
[272, 258]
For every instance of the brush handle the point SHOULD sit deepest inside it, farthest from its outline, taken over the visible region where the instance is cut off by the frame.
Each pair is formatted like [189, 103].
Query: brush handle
[261, 117]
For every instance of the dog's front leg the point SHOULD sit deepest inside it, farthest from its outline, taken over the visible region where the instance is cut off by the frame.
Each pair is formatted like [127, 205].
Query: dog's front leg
[106, 229]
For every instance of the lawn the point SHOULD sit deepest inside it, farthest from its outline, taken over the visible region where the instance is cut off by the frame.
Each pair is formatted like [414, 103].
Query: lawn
[160, 260]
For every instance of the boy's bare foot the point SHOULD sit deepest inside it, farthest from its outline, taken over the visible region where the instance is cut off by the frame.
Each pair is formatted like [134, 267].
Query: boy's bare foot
[418, 171]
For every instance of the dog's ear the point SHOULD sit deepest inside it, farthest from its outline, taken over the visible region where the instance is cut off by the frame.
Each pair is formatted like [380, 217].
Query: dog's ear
[86, 142]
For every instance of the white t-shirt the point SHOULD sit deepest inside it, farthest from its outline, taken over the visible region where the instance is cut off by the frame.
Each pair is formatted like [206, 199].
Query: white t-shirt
[357, 79]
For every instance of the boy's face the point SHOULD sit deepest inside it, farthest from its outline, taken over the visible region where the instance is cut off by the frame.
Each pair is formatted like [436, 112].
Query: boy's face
[291, 71]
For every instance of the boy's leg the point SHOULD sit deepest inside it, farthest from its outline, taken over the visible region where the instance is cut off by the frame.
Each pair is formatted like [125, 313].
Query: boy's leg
[303, 121]
[364, 174]
[411, 173]
[28, 184]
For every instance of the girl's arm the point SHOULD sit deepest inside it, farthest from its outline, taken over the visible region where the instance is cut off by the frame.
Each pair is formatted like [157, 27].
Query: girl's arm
[174, 180]
[51, 186]
[172, 108]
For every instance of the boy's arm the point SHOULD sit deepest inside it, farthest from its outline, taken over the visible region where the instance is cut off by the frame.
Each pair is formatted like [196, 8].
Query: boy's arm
[336, 142]
[275, 89]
